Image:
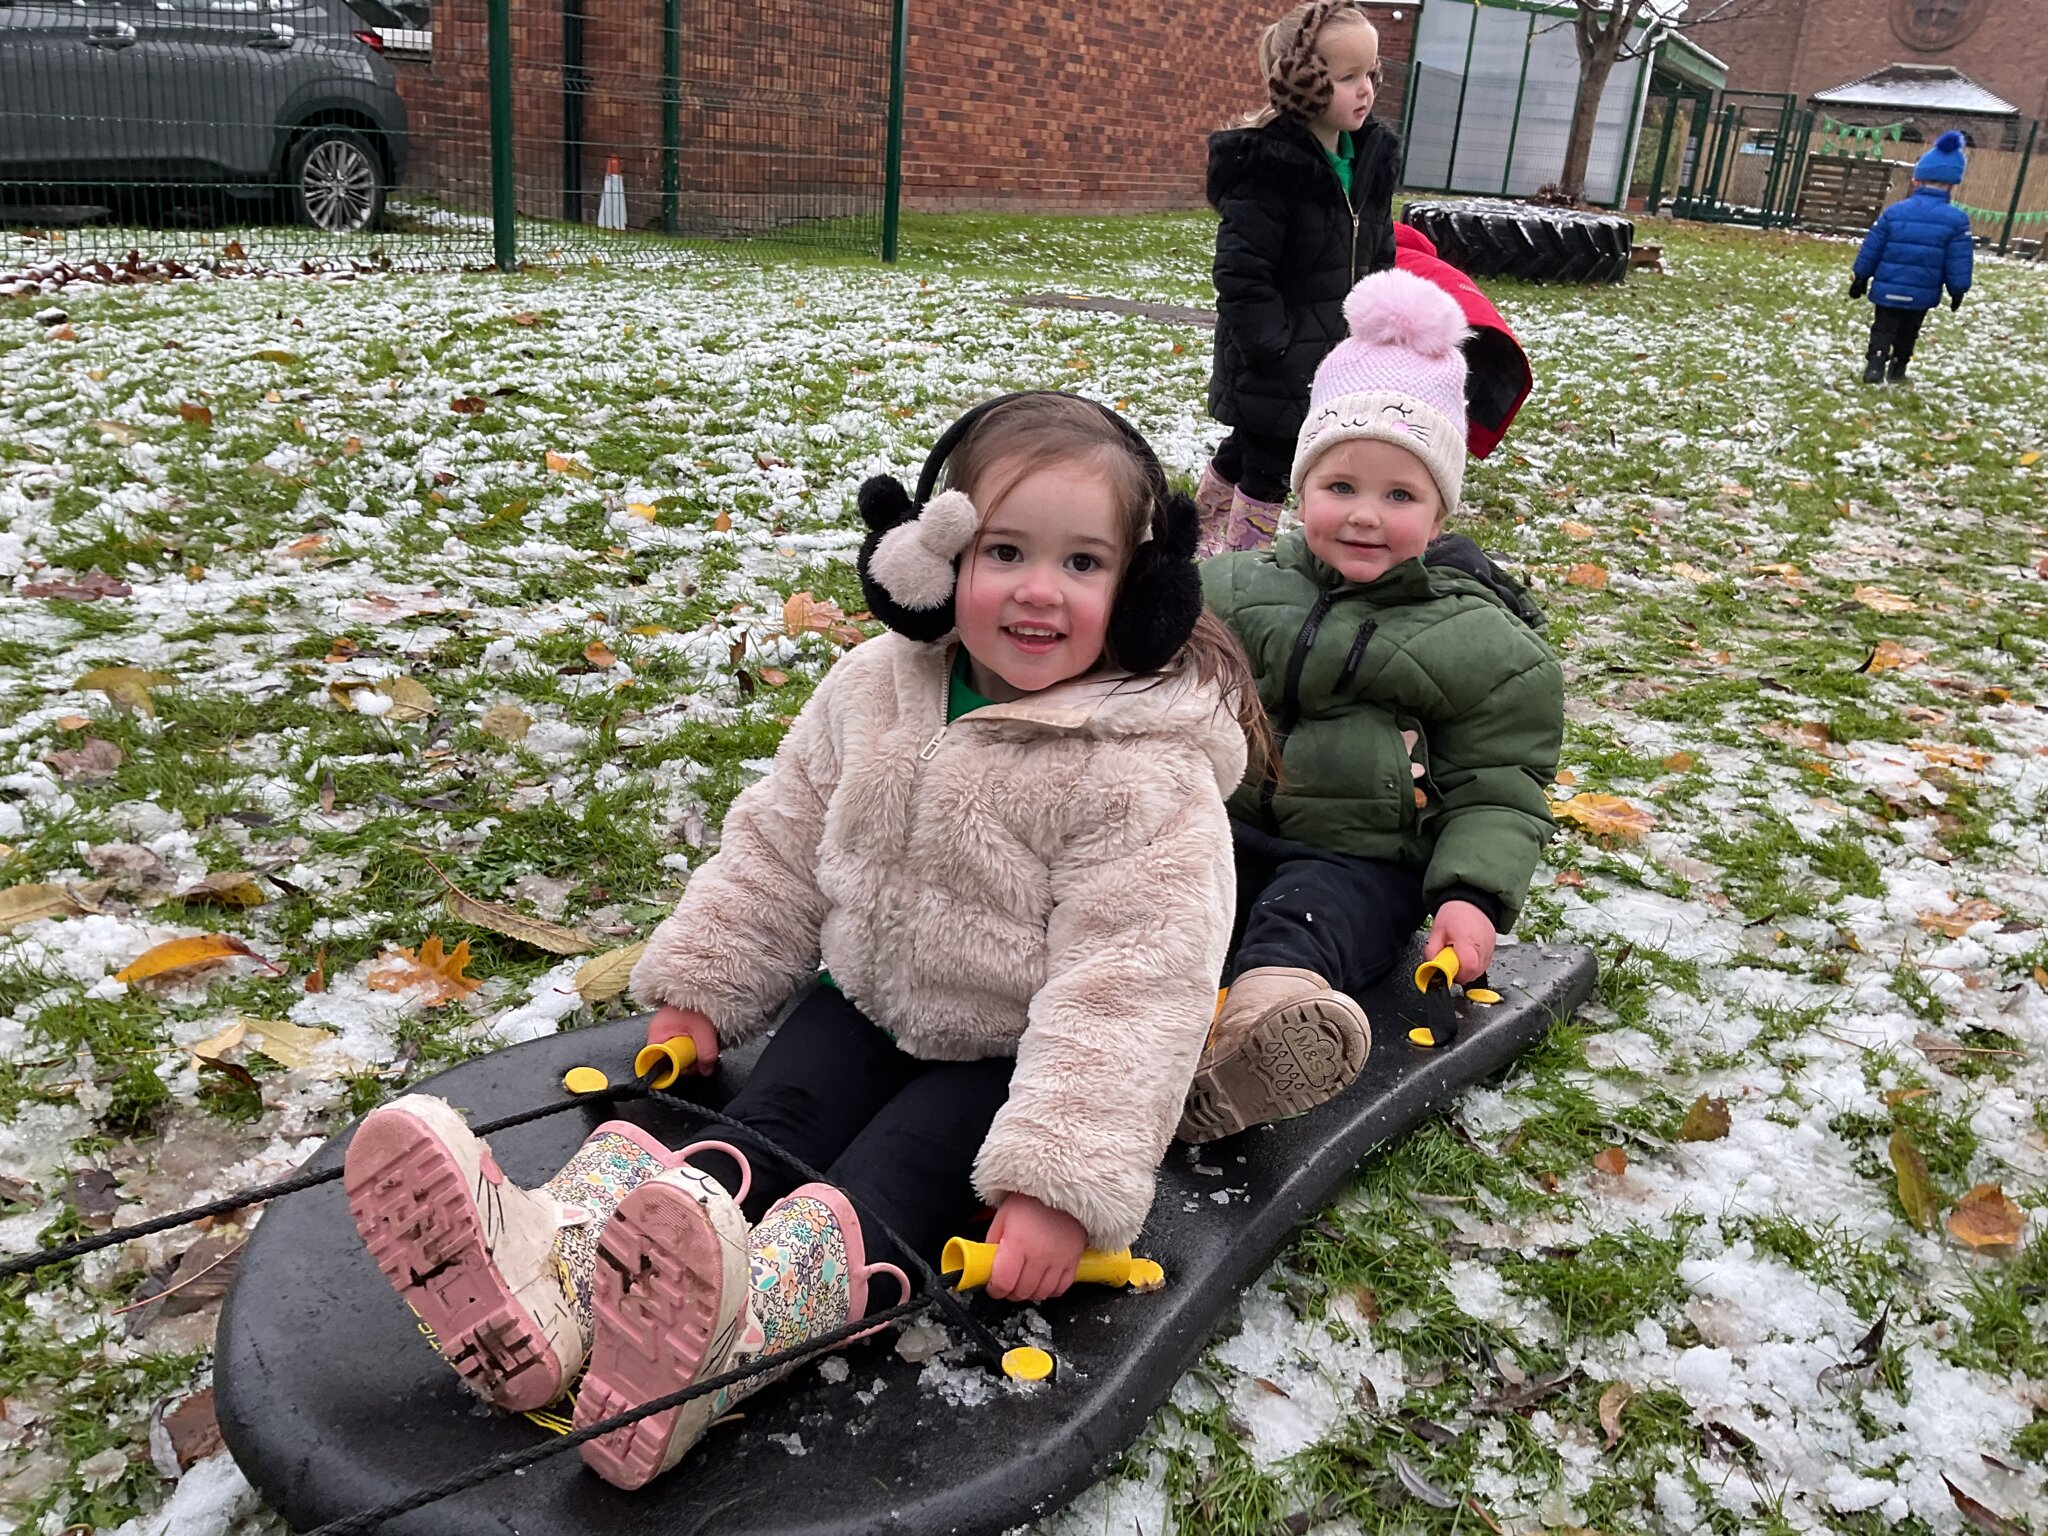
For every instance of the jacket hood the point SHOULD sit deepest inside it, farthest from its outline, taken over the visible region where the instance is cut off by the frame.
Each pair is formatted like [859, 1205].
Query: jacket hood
[1113, 705]
[1451, 564]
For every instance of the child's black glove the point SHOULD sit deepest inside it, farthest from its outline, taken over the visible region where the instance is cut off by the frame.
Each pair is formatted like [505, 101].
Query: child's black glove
[1858, 287]
[1955, 301]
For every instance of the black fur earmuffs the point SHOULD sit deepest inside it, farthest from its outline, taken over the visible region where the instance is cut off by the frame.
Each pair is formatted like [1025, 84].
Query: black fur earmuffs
[908, 579]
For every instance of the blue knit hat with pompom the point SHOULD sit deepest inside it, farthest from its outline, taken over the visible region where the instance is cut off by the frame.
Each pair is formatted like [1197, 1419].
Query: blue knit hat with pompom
[1944, 162]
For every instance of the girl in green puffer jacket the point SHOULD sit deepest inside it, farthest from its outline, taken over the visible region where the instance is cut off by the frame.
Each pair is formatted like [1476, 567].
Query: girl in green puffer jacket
[1417, 714]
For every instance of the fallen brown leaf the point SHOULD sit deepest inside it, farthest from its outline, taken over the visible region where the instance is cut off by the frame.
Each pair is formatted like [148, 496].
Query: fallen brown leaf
[1592, 577]
[232, 888]
[598, 654]
[604, 978]
[1883, 601]
[1612, 1401]
[88, 588]
[1707, 1120]
[469, 405]
[198, 415]
[507, 722]
[1986, 1218]
[1965, 916]
[552, 937]
[1981, 1515]
[1603, 815]
[1611, 1160]
[25, 903]
[437, 972]
[1888, 654]
[91, 759]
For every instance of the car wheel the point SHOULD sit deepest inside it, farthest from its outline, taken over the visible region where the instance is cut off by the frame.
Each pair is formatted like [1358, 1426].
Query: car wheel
[337, 181]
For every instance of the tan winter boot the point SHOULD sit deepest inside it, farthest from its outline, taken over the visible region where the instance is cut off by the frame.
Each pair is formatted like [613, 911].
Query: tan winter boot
[1212, 501]
[1283, 1042]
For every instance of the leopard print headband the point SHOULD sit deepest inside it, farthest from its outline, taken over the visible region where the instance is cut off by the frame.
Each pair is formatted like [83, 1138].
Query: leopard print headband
[1299, 82]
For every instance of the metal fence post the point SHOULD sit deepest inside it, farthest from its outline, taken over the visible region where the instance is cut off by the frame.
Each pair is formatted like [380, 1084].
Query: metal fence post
[671, 112]
[892, 174]
[504, 240]
[2018, 186]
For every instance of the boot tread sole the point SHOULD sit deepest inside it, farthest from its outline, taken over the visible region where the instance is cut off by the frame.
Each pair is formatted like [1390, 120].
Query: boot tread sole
[417, 1217]
[1301, 1055]
[651, 1335]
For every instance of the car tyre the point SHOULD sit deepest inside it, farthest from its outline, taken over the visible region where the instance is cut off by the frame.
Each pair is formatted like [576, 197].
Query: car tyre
[337, 180]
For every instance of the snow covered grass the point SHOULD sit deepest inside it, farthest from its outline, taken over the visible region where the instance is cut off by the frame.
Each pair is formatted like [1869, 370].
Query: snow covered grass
[1804, 623]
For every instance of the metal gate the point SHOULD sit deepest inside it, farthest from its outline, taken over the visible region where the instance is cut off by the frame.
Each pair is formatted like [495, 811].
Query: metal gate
[1739, 156]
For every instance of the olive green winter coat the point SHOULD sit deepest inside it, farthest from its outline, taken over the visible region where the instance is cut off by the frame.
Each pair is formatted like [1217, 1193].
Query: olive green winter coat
[1344, 669]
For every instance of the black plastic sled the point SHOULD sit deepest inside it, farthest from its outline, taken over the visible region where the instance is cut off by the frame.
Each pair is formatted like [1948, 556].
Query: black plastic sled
[333, 1404]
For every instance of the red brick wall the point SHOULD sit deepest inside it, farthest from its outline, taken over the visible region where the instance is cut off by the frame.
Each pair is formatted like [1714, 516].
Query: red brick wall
[1088, 104]
[1805, 46]
[782, 108]
[784, 104]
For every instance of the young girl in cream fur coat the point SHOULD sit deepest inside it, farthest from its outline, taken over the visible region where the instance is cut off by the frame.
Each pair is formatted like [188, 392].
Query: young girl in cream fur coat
[1000, 829]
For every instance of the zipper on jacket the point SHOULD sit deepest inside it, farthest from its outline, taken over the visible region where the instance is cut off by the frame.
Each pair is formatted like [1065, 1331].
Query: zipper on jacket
[1356, 211]
[931, 748]
[1357, 655]
[1290, 696]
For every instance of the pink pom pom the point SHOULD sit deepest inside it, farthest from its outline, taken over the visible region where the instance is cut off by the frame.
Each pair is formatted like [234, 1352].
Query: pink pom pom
[1396, 308]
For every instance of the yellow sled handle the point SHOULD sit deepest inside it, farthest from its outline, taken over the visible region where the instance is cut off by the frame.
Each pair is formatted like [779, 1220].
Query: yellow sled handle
[662, 1064]
[1445, 965]
[973, 1261]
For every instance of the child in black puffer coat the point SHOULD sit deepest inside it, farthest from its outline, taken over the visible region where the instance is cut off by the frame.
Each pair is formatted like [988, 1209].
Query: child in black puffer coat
[1306, 194]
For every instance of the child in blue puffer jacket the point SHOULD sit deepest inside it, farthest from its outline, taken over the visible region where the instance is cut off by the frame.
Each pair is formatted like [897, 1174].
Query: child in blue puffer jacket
[1918, 245]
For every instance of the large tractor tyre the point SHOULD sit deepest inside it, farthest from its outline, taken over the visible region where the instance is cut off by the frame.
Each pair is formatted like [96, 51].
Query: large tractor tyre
[1484, 238]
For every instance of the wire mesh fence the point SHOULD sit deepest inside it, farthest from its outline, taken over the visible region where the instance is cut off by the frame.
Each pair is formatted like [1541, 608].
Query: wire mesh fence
[273, 133]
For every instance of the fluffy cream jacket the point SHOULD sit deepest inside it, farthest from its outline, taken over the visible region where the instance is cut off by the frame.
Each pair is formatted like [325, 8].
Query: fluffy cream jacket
[1049, 878]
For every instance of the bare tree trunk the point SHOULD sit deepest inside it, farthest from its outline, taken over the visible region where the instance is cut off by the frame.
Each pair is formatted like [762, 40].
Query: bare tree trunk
[1578, 147]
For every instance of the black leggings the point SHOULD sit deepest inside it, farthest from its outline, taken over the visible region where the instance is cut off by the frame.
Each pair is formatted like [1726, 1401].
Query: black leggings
[1346, 919]
[1259, 466]
[897, 1133]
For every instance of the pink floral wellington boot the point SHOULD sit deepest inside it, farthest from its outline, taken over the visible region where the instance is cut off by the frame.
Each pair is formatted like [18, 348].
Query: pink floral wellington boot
[499, 1274]
[685, 1292]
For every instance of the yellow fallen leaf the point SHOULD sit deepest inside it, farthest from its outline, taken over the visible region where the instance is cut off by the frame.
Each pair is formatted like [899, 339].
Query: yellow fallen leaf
[641, 511]
[1693, 573]
[409, 698]
[343, 690]
[1949, 754]
[298, 549]
[1916, 1185]
[437, 972]
[216, 1046]
[289, 1045]
[1593, 577]
[604, 978]
[1883, 601]
[1680, 762]
[184, 955]
[1888, 654]
[650, 630]
[598, 654]
[127, 686]
[562, 464]
[233, 888]
[73, 722]
[2030, 458]
[1985, 1218]
[1574, 530]
[1604, 815]
[507, 722]
[514, 924]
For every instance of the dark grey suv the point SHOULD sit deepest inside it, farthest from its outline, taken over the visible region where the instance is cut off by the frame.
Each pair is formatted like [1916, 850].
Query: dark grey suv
[154, 102]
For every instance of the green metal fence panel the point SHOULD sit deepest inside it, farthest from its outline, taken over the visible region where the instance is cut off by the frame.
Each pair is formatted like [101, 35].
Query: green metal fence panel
[269, 133]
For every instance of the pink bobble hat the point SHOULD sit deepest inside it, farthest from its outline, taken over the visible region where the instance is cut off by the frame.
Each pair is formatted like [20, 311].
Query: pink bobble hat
[1399, 377]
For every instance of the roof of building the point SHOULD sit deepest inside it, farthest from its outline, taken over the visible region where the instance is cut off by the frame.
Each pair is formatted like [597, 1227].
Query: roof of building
[1917, 88]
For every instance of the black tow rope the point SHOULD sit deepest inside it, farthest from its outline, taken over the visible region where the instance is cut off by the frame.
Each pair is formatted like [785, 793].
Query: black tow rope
[981, 1340]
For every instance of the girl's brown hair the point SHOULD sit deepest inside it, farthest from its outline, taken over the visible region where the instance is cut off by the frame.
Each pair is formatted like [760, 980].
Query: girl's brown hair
[1032, 431]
